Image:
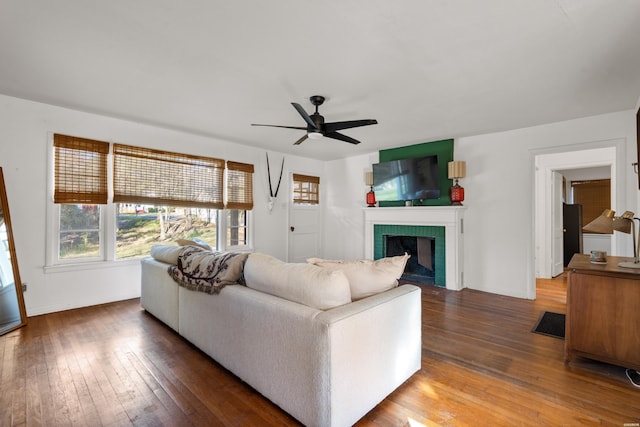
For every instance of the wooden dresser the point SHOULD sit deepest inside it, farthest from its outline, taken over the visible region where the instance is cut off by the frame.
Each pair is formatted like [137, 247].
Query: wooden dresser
[603, 312]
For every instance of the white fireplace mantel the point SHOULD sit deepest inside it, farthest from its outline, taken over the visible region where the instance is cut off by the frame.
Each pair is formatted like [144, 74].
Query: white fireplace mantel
[449, 217]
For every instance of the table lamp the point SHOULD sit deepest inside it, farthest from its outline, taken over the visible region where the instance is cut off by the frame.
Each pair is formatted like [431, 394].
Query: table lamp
[608, 222]
[371, 195]
[457, 170]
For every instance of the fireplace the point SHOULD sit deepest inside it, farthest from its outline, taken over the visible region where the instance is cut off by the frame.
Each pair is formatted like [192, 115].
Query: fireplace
[396, 235]
[439, 227]
[421, 266]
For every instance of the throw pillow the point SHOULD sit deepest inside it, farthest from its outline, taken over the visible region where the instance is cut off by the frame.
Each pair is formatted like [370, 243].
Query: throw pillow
[167, 253]
[298, 282]
[367, 277]
[195, 242]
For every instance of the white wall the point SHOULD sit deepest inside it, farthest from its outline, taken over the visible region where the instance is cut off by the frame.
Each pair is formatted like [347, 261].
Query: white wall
[344, 217]
[596, 242]
[24, 127]
[499, 221]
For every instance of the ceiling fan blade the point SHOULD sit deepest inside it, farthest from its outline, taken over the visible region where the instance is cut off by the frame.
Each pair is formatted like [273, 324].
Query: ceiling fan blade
[334, 126]
[276, 126]
[298, 142]
[304, 115]
[341, 137]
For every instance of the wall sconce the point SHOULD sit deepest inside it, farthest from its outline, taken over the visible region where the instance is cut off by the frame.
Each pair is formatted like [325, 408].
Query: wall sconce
[608, 222]
[457, 170]
[371, 195]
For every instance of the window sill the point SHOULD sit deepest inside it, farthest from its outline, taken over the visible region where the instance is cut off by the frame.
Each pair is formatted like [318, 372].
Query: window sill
[92, 265]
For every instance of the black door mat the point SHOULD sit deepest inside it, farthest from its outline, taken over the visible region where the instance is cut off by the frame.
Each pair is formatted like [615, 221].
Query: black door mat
[550, 324]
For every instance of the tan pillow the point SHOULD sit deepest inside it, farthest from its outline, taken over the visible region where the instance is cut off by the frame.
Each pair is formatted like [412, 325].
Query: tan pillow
[367, 277]
[194, 242]
[167, 253]
[302, 283]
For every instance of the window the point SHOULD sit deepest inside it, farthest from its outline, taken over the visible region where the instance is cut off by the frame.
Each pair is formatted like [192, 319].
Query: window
[593, 195]
[158, 197]
[239, 186]
[80, 234]
[306, 189]
[239, 201]
[80, 188]
[139, 227]
[80, 170]
[236, 228]
[143, 175]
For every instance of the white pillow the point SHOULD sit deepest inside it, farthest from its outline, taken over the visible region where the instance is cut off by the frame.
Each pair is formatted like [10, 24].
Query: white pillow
[302, 283]
[194, 242]
[367, 277]
[167, 253]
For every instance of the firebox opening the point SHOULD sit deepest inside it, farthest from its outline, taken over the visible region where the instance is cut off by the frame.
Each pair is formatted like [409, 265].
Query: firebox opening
[421, 265]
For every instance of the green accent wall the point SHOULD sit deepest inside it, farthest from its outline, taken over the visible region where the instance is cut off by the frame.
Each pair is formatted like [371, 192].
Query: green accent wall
[443, 149]
[436, 232]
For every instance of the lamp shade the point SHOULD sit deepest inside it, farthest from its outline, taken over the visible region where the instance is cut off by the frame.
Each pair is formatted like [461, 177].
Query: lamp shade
[368, 178]
[457, 169]
[624, 222]
[602, 224]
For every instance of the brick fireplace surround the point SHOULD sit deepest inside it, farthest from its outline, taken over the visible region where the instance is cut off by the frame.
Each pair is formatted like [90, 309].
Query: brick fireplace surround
[449, 217]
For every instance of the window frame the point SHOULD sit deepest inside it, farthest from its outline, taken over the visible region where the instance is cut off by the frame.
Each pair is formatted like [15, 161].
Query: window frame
[101, 234]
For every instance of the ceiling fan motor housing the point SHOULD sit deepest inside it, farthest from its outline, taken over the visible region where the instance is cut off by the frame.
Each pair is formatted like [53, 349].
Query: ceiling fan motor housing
[319, 121]
[317, 100]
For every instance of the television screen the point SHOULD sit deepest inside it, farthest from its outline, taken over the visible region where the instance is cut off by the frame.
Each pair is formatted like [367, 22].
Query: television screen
[407, 179]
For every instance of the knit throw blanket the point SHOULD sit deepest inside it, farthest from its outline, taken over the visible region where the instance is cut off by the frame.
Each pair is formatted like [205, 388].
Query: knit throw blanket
[206, 271]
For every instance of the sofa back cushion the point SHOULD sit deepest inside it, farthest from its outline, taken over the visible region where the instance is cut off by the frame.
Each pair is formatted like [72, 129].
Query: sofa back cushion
[306, 284]
[167, 253]
[367, 277]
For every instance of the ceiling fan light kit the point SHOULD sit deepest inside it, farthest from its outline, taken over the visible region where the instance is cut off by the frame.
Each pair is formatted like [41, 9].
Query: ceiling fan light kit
[316, 127]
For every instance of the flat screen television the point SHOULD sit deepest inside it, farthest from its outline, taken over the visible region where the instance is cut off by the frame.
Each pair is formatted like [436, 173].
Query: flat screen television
[407, 179]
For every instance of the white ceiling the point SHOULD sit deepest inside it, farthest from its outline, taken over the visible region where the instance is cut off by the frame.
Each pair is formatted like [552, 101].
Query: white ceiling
[425, 69]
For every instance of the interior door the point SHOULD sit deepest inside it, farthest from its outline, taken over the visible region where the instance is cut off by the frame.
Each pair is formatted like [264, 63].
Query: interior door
[557, 229]
[304, 232]
[572, 220]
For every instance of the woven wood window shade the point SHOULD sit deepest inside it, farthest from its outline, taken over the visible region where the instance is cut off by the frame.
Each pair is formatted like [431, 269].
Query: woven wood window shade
[80, 170]
[306, 189]
[147, 176]
[594, 196]
[239, 186]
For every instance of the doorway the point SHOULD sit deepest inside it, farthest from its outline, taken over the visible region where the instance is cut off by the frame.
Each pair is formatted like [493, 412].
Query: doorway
[548, 200]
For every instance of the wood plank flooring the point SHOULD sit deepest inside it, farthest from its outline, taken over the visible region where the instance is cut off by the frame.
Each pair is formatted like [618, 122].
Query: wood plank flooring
[115, 365]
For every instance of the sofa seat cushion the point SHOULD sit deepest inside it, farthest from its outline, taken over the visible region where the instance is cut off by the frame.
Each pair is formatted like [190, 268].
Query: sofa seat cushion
[367, 277]
[305, 284]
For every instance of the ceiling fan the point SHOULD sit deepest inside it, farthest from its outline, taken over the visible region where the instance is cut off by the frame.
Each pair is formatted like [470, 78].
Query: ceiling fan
[316, 127]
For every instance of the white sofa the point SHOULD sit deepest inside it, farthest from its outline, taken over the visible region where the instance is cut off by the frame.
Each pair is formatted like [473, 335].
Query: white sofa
[323, 367]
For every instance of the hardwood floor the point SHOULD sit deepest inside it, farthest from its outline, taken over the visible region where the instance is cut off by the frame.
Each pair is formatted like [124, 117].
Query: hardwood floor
[116, 365]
